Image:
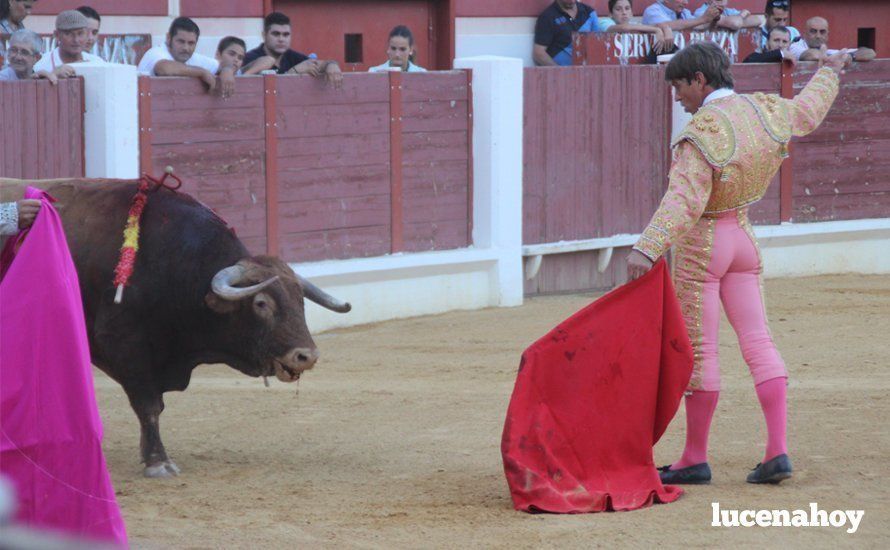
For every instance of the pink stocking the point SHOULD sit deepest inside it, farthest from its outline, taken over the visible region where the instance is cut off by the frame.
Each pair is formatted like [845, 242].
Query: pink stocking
[772, 395]
[699, 411]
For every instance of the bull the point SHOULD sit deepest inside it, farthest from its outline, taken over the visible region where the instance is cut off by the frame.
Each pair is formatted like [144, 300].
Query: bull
[196, 296]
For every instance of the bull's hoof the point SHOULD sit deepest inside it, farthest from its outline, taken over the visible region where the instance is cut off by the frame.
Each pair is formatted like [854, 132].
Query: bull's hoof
[161, 469]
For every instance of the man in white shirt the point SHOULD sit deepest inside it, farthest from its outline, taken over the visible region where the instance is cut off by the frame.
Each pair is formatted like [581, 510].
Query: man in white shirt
[177, 57]
[71, 37]
[672, 15]
[814, 45]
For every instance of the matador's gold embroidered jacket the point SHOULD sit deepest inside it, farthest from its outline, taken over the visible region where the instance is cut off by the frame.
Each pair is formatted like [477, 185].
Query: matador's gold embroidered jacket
[729, 152]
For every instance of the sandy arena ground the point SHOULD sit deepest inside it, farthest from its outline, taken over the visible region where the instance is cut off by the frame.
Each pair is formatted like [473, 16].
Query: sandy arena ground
[393, 440]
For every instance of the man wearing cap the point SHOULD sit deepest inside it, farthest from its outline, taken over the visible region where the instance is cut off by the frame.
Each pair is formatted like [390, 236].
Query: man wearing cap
[71, 37]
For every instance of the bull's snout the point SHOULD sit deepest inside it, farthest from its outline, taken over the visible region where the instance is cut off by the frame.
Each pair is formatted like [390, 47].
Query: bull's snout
[303, 358]
[289, 366]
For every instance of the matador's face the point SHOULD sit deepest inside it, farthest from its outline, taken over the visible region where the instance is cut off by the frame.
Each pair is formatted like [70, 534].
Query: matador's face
[690, 94]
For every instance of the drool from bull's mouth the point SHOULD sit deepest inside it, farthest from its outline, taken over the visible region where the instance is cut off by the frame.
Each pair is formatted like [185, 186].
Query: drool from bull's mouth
[285, 373]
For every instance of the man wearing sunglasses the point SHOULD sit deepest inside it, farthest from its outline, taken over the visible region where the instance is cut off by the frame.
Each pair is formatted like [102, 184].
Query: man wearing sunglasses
[778, 14]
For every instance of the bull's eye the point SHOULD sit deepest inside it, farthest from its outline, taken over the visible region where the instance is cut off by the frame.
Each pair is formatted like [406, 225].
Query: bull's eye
[264, 306]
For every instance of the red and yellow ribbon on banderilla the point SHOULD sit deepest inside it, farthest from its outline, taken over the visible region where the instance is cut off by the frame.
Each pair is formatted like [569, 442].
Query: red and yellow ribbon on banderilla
[124, 268]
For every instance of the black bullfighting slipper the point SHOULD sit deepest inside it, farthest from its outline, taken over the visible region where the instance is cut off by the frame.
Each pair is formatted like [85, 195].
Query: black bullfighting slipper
[772, 471]
[699, 474]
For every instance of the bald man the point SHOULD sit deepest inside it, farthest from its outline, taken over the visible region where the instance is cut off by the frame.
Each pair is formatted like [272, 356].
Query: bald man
[814, 45]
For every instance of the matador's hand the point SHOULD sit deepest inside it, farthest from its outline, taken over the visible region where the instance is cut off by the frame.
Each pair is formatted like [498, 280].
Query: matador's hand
[836, 62]
[28, 209]
[637, 265]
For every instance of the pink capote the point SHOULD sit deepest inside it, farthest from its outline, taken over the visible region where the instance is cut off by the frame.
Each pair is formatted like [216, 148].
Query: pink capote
[50, 430]
[592, 398]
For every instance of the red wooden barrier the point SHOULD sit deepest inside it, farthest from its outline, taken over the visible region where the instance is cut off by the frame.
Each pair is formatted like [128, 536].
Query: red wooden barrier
[270, 121]
[216, 146]
[42, 133]
[594, 162]
[310, 173]
[397, 213]
[842, 170]
[437, 163]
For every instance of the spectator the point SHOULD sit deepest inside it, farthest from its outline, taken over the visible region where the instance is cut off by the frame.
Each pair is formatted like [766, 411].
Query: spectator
[177, 57]
[231, 51]
[778, 14]
[13, 14]
[815, 44]
[12, 17]
[400, 52]
[275, 53]
[621, 12]
[554, 28]
[15, 216]
[673, 14]
[71, 37]
[25, 49]
[731, 18]
[93, 30]
[776, 48]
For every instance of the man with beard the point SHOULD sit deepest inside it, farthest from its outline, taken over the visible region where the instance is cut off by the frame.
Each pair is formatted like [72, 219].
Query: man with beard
[177, 57]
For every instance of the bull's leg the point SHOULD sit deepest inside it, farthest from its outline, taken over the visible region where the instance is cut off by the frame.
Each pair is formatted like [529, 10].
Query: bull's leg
[149, 405]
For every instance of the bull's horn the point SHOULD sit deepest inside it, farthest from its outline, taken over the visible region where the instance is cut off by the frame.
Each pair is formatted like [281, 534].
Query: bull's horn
[322, 298]
[224, 282]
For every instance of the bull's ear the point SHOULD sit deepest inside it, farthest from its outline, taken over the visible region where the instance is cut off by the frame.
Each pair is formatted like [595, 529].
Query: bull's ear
[219, 305]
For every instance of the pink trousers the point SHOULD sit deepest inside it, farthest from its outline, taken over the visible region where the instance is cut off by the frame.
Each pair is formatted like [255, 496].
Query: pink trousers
[719, 262]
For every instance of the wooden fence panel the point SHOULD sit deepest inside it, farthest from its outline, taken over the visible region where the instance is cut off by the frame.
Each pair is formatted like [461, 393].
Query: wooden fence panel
[42, 135]
[333, 168]
[594, 162]
[436, 130]
[842, 170]
[216, 146]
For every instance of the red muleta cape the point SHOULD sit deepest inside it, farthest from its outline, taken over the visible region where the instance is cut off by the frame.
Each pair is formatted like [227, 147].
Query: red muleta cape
[592, 398]
[50, 429]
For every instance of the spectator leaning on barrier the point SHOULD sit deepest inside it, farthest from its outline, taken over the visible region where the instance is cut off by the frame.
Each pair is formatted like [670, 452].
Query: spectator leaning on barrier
[25, 49]
[554, 28]
[12, 17]
[778, 14]
[814, 45]
[731, 18]
[672, 15]
[177, 57]
[13, 14]
[93, 30]
[231, 51]
[71, 37]
[276, 54]
[400, 51]
[621, 12]
[776, 48]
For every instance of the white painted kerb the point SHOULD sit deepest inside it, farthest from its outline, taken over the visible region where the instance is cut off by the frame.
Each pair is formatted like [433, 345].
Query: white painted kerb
[403, 285]
[789, 250]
